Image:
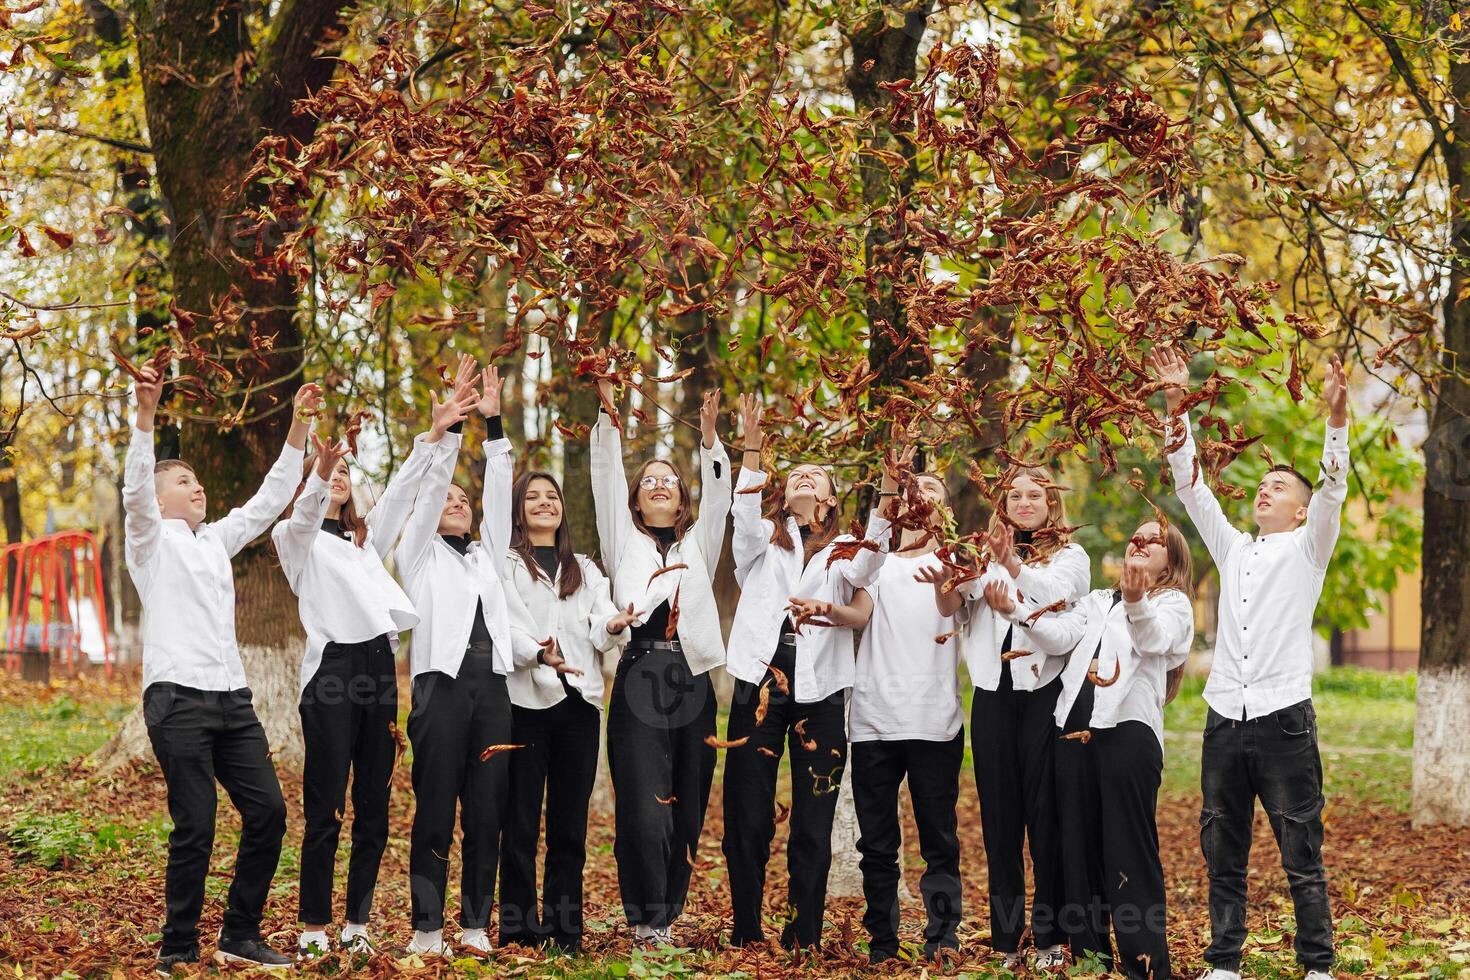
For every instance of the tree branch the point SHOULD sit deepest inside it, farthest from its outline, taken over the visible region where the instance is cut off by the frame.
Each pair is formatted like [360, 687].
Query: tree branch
[117, 143]
[296, 58]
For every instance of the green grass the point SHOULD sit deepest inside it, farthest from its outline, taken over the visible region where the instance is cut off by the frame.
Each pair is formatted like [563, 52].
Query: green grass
[54, 731]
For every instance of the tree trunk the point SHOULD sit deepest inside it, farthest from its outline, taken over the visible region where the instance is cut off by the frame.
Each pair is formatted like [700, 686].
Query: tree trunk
[1442, 728]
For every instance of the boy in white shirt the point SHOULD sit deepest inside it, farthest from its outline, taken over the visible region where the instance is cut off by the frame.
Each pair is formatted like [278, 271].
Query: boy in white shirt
[196, 703]
[1261, 731]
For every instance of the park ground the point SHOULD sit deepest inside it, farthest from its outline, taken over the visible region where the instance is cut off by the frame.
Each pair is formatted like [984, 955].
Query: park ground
[82, 858]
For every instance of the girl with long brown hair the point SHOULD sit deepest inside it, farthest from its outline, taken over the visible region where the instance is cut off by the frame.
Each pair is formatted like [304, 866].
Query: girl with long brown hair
[556, 717]
[807, 675]
[662, 561]
[1016, 690]
[1109, 732]
[352, 611]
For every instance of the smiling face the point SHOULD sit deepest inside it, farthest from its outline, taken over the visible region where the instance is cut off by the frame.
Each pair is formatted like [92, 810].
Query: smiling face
[341, 486]
[809, 492]
[457, 515]
[1148, 544]
[1026, 502]
[541, 509]
[660, 495]
[1281, 502]
[180, 496]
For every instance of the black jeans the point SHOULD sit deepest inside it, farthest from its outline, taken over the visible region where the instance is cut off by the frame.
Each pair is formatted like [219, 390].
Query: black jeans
[558, 762]
[1107, 790]
[818, 755]
[347, 709]
[1273, 757]
[453, 721]
[657, 722]
[1013, 738]
[198, 737]
[933, 772]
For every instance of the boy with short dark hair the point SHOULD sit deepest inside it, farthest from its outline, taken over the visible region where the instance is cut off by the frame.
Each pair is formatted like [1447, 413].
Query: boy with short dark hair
[1261, 731]
[196, 703]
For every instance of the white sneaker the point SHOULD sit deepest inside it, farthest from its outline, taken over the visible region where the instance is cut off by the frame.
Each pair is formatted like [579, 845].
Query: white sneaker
[1011, 961]
[1219, 975]
[1319, 975]
[476, 942]
[1049, 959]
[430, 944]
[356, 942]
[313, 945]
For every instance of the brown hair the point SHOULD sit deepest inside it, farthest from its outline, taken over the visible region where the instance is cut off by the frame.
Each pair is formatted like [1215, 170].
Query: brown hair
[1056, 513]
[520, 543]
[1293, 471]
[821, 535]
[683, 520]
[164, 465]
[348, 517]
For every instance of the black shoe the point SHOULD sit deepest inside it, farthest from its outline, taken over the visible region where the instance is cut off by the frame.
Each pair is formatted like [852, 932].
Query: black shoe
[167, 961]
[877, 956]
[248, 952]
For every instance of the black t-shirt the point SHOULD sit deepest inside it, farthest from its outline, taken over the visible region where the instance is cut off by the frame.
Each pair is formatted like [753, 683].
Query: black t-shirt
[656, 625]
[479, 632]
[548, 559]
[333, 526]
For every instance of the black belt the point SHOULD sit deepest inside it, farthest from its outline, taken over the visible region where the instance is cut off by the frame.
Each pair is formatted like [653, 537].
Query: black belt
[667, 645]
[787, 640]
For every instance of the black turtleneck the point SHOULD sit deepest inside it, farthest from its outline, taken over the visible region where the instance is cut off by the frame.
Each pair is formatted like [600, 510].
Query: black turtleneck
[548, 559]
[656, 626]
[334, 527]
[1022, 536]
[479, 632]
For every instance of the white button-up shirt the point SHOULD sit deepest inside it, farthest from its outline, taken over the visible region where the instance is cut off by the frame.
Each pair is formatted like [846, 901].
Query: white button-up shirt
[184, 578]
[770, 575]
[345, 593]
[1269, 587]
[1136, 642]
[632, 557]
[445, 586]
[579, 623]
[1064, 577]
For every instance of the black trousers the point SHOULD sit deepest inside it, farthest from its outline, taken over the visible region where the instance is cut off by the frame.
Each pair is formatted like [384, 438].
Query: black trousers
[558, 763]
[1107, 790]
[453, 721]
[199, 737]
[657, 722]
[1013, 738]
[933, 772]
[817, 760]
[347, 710]
[1273, 757]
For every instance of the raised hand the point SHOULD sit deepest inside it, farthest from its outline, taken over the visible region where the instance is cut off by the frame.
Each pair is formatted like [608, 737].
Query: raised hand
[455, 408]
[624, 619]
[1135, 579]
[491, 388]
[935, 575]
[466, 374]
[1170, 367]
[1334, 393]
[998, 597]
[751, 412]
[148, 390]
[307, 402]
[328, 455]
[1002, 541]
[709, 417]
[551, 656]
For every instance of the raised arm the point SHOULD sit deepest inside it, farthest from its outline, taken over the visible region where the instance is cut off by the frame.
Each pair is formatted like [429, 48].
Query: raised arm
[428, 505]
[862, 571]
[495, 516]
[1324, 511]
[853, 614]
[390, 513]
[714, 485]
[142, 522]
[609, 484]
[295, 536]
[752, 531]
[1204, 510]
[251, 519]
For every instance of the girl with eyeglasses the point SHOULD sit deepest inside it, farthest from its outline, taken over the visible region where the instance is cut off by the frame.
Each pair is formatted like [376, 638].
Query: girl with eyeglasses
[1126, 644]
[661, 560]
[1016, 691]
[805, 673]
[557, 718]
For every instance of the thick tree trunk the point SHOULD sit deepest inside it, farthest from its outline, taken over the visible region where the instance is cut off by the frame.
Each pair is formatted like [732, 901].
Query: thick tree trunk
[1442, 729]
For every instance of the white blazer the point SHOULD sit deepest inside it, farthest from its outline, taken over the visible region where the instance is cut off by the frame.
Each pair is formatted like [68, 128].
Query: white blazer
[1064, 577]
[445, 586]
[579, 623]
[1139, 642]
[345, 594]
[770, 575]
[632, 557]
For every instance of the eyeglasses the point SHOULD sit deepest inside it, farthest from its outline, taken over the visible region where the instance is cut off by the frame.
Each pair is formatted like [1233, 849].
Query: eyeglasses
[1143, 544]
[650, 483]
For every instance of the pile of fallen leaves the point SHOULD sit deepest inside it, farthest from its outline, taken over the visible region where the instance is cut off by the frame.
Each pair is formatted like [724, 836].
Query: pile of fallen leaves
[1401, 898]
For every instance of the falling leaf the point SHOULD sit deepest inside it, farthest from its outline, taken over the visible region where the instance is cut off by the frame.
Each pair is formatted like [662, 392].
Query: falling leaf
[494, 750]
[720, 743]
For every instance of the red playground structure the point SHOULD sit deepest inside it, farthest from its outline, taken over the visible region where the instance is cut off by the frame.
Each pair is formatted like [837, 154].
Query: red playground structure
[54, 603]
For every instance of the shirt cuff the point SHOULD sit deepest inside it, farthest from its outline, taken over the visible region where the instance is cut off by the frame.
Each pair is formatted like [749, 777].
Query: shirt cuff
[1337, 436]
[1137, 610]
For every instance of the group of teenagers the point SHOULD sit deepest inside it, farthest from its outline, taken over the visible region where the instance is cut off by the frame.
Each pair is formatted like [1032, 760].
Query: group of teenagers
[844, 651]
